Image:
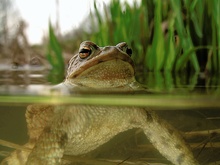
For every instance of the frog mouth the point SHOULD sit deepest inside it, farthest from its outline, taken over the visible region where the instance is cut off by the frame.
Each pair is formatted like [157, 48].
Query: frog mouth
[102, 57]
[109, 74]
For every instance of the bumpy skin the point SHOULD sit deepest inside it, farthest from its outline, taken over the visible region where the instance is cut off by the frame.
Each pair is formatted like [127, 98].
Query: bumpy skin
[78, 129]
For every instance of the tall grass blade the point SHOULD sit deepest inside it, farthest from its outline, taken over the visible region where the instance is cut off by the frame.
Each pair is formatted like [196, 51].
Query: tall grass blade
[55, 58]
[185, 39]
[216, 18]
[170, 51]
[158, 40]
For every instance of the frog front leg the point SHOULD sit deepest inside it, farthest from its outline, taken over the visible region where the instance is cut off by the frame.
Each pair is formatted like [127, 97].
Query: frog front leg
[49, 148]
[50, 145]
[167, 140]
[66, 131]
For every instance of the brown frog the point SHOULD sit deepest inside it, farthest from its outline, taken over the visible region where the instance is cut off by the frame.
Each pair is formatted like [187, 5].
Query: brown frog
[61, 130]
[97, 68]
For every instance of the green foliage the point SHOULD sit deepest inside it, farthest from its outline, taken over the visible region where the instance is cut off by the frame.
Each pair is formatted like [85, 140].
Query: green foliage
[55, 58]
[214, 14]
[152, 27]
[156, 54]
[119, 25]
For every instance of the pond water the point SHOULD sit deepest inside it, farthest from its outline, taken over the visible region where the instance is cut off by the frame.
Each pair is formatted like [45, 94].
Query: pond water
[189, 102]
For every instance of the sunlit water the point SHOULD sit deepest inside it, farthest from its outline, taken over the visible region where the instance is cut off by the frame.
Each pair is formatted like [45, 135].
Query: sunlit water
[190, 102]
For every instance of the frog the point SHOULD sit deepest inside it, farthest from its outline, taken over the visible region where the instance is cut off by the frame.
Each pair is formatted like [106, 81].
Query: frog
[55, 131]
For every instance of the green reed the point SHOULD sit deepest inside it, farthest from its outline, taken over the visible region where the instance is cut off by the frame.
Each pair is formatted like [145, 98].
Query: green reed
[55, 58]
[170, 35]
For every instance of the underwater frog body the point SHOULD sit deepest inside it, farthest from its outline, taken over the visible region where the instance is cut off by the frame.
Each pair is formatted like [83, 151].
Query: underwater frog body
[55, 131]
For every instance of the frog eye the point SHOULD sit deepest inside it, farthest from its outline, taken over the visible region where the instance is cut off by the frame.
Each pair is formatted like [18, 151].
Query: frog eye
[84, 52]
[124, 47]
[129, 51]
